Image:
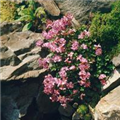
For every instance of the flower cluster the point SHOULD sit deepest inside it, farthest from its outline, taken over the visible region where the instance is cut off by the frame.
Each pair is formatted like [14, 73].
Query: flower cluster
[73, 57]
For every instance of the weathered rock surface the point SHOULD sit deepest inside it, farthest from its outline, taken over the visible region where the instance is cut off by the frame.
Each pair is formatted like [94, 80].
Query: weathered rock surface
[113, 81]
[50, 6]
[21, 78]
[116, 61]
[68, 111]
[6, 27]
[19, 56]
[81, 8]
[108, 108]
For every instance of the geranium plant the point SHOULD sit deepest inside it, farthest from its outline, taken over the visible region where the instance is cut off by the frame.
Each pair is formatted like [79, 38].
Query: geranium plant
[79, 67]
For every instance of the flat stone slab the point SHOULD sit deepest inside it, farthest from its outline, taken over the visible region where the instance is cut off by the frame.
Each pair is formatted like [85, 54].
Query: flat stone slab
[116, 61]
[113, 81]
[108, 108]
[19, 56]
[50, 6]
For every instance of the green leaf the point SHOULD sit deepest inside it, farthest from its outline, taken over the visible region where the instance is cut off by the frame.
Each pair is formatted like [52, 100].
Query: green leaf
[27, 27]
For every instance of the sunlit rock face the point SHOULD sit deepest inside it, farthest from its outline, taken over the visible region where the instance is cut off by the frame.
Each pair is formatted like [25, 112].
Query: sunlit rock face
[81, 8]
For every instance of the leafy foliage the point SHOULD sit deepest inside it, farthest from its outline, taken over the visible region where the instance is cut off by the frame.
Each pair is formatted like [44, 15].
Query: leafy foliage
[34, 16]
[105, 29]
[79, 64]
[7, 11]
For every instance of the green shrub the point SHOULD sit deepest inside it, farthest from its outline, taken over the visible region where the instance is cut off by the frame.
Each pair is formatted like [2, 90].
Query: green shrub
[34, 16]
[105, 28]
[7, 11]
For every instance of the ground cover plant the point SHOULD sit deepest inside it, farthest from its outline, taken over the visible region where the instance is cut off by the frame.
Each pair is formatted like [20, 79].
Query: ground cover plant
[105, 28]
[32, 15]
[79, 66]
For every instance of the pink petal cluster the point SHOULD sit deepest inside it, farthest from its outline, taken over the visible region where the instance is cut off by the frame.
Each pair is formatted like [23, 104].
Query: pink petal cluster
[75, 45]
[55, 46]
[84, 46]
[98, 49]
[39, 43]
[84, 34]
[102, 78]
[84, 75]
[44, 63]
[56, 58]
[68, 59]
[50, 84]
[57, 26]
[63, 72]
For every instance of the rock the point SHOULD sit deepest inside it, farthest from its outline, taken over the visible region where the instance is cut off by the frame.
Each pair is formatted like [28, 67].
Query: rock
[7, 57]
[108, 108]
[113, 81]
[9, 109]
[50, 6]
[68, 111]
[116, 61]
[21, 94]
[21, 78]
[7, 27]
[82, 8]
[19, 56]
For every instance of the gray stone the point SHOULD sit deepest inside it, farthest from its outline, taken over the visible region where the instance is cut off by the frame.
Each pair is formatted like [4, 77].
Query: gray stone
[108, 108]
[113, 81]
[7, 27]
[116, 61]
[68, 111]
[82, 8]
[19, 56]
[7, 57]
[50, 6]
[9, 109]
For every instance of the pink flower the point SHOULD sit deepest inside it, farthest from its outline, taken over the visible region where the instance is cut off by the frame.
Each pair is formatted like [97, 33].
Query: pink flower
[53, 98]
[71, 55]
[60, 49]
[82, 95]
[67, 60]
[87, 84]
[75, 91]
[44, 63]
[87, 33]
[102, 76]
[49, 24]
[44, 34]
[70, 85]
[75, 45]
[79, 57]
[49, 83]
[72, 67]
[98, 50]
[103, 82]
[39, 43]
[57, 58]
[84, 75]
[83, 60]
[83, 34]
[62, 41]
[62, 99]
[82, 82]
[84, 46]
[84, 66]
